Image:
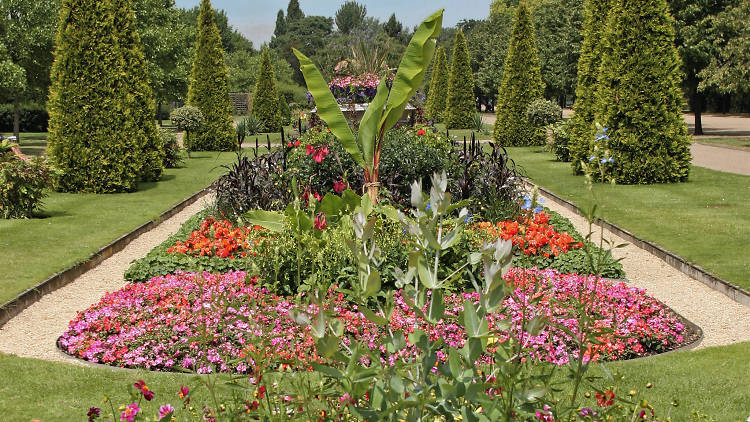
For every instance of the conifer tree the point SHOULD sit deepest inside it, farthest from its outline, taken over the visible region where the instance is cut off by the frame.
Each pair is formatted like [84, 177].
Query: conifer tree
[293, 12]
[94, 138]
[582, 126]
[142, 104]
[521, 84]
[461, 105]
[280, 28]
[639, 97]
[266, 100]
[209, 87]
[438, 87]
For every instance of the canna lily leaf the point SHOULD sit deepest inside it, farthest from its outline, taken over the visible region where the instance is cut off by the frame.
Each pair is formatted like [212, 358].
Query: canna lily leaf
[369, 126]
[269, 220]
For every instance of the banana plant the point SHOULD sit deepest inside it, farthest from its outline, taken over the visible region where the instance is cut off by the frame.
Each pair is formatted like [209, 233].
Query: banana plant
[386, 108]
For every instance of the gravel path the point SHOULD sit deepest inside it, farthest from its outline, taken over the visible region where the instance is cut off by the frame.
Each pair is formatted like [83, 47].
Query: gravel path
[723, 320]
[34, 331]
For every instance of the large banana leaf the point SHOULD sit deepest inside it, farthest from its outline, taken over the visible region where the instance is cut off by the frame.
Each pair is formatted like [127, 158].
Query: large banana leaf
[369, 126]
[412, 69]
[328, 108]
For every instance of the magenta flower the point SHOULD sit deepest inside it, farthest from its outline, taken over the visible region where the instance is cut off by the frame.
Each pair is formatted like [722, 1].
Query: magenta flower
[129, 413]
[147, 394]
[93, 413]
[165, 410]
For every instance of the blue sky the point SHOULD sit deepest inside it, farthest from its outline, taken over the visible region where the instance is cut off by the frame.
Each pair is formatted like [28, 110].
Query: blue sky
[256, 19]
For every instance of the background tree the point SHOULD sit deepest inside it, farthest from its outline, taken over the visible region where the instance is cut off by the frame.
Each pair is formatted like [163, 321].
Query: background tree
[93, 138]
[729, 69]
[308, 34]
[266, 104]
[582, 126]
[140, 102]
[28, 32]
[293, 12]
[209, 88]
[488, 46]
[350, 16]
[14, 76]
[521, 84]
[460, 106]
[280, 28]
[436, 99]
[393, 27]
[639, 97]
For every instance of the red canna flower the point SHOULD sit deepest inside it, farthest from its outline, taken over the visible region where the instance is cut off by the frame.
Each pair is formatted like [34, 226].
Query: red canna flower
[421, 132]
[320, 154]
[320, 222]
[339, 186]
[309, 149]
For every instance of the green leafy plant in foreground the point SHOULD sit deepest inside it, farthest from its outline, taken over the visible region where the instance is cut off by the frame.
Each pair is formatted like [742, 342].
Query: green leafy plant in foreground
[386, 108]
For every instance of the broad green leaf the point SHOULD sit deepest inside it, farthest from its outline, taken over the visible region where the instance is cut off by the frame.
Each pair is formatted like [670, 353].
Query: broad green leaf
[436, 310]
[331, 372]
[369, 125]
[412, 69]
[373, 283]
[332, 206]
[269, 220]
[328, 109]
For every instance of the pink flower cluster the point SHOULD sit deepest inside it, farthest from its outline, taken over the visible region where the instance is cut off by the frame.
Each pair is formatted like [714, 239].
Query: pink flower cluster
[355, 89]
[205, 322]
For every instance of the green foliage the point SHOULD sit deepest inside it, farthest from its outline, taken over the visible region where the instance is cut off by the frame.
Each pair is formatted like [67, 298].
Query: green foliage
[293, 12]
[559, 143]
[582, 127]
[280, 28]
[437, 97]
[393, 27]
[209, 87]
[639, 96]
[729, 69]
[141, 100]
[308, 34]
[33, 117]
[173, 153]
[460, 105]
[559, 25]
[350, 16]
[189, 119]
[266, 100]
[244, 67]
[521, 84]
[22, 186]
[541, 112]
[95, 137]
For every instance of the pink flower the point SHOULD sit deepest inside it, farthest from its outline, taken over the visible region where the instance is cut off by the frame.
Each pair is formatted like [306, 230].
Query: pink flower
[310, 149]
[147, 394]
[129, 413]
[339, 186]
[183, 394]
[165, 411]
[320, 222]
[320, 154]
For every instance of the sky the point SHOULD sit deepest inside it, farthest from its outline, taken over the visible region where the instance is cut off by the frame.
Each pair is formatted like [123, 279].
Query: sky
[256, 19]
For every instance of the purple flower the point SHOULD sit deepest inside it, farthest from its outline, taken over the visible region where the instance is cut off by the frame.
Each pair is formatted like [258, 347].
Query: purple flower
[165, 410]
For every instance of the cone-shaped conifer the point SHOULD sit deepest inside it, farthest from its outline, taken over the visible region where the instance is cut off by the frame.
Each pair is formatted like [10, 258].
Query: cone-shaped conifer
[209, 87]
[438, 94]
[266, 101]
[461, 105]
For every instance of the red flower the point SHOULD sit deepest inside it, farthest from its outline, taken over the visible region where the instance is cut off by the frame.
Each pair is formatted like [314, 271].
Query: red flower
[297, 143]
[421, 132]
[309, 149]
[605, 400]
[339, 186]
[290, 145]
[183, 394]
[147, 394]
[320, 222]
[320, 154]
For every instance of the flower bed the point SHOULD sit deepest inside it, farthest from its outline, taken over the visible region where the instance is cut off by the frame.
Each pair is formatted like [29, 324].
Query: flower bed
[355, 89]
[160, 325]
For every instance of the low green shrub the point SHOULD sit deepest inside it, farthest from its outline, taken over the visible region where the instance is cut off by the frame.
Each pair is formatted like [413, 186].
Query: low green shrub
[23, 186]
[543, 112]
[559, 142]
[173, 152]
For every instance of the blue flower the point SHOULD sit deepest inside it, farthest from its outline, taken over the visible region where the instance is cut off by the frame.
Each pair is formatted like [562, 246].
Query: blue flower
[541, 200]
[428, 206]
[526, 203]
[611, 160]
[604, 160]
[604, 129]
[592, 158]
[467, 219]
[538, 209]
[601, 137]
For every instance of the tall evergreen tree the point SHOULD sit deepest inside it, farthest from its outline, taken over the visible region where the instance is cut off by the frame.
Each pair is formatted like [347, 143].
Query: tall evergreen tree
[521, 84]
[94, 138]
[280, 28]
[293, 11]
[266, 106]
[461, 106]
[639, 97]
[142, 105]
[350, 16]
[437, 96]
[209, 87]
[582, 129]
[393, 27]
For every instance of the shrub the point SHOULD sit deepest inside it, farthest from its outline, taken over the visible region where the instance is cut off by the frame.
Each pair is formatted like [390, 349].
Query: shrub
[190, 119]
[252, 184]
[436, 98]
[639, 96]
[461, 105]
[34, 117]
[541, 113]
[559, 142]
[94, 136]
[22, 186]
[521, 84]
[266, 99]
[209, 87]
[173, 152]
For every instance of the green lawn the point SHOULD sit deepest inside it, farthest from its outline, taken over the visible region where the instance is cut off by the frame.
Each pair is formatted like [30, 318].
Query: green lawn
[458, 134]
[76, 225]
[743, 142]
[705, 220]
[713, 381]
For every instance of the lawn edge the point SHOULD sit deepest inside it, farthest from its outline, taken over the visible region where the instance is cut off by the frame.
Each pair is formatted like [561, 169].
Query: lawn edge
[692, 270]
[30, 296]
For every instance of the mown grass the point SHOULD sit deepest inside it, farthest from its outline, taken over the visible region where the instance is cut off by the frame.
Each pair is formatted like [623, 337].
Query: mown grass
[743, 142]
[459, 134]
[73, 226]
[705, 220]
[713, 381]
